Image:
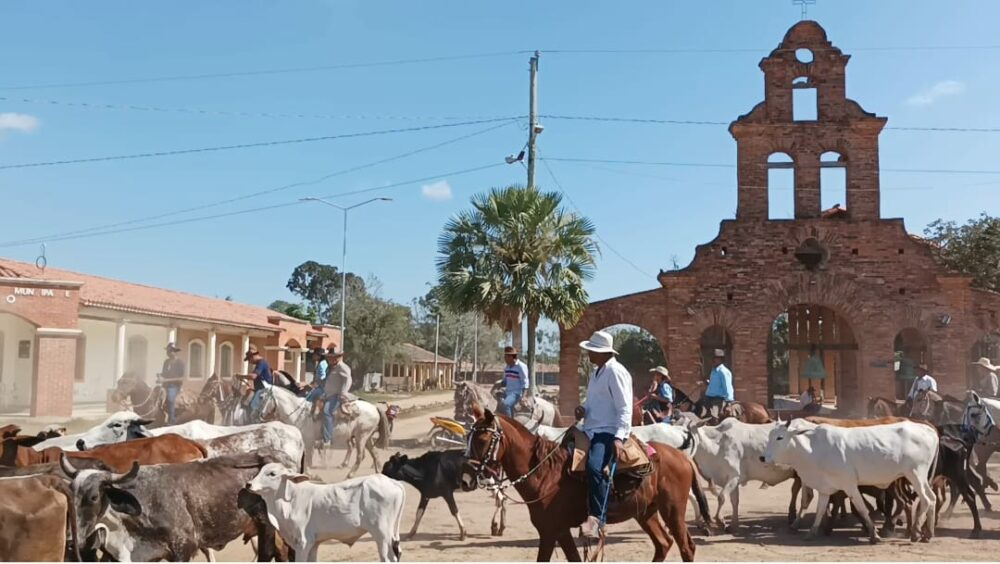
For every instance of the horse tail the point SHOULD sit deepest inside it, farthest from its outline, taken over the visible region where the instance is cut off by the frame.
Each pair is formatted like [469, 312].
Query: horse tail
[699, 497]
[383, 429]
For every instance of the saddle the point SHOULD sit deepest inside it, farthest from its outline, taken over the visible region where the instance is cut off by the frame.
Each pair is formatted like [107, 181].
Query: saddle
[634, 464]
[349, 409]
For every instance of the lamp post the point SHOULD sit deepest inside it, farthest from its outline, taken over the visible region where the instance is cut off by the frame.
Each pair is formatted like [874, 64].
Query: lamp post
[343, 260]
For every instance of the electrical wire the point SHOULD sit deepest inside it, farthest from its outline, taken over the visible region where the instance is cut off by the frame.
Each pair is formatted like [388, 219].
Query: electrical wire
[252, 145]
[258, 209]
[596, 233]
[259, 193]
[265, 72]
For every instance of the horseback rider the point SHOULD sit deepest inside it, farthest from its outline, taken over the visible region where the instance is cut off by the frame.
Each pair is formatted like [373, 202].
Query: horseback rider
[337, 386]
[661, 403]
[515, 381]
[923, 383]
[720, 383]
[988, 384]
[261, 373]
[319, 378]
[172, 378]
[607, 414]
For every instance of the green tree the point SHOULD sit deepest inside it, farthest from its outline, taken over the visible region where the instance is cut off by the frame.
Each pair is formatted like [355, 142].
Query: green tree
[377, 327]
[298, 311]
[319, 286]
[638, 350]
[517, 254]
[457, 333]
[972, 249]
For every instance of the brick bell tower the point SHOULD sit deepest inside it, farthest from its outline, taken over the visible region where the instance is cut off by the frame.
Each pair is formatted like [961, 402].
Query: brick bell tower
[840, 134]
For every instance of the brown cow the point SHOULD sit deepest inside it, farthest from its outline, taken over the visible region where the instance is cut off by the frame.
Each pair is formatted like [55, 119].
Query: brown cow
[119, 457]
[35, 512]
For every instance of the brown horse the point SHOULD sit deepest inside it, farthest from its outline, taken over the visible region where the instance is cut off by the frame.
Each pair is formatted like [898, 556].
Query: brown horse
[557, 502]
[747, 412]
[937, 408]
[883, 407]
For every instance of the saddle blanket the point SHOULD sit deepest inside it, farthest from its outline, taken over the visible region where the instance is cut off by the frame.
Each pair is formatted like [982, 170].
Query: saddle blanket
[635, 454]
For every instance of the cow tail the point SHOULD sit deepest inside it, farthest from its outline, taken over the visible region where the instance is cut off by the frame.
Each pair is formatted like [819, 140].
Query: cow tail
[383, 429]
[74, 531]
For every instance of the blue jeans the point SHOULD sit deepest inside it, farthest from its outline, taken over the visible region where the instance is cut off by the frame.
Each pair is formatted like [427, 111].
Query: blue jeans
[506, 406]
[172, 392]
[329, 408]
[314, 394]
[602, 451]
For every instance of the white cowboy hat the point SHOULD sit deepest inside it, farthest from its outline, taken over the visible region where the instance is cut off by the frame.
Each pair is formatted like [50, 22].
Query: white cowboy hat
[985, 363]
[719, 353]
[600, 342]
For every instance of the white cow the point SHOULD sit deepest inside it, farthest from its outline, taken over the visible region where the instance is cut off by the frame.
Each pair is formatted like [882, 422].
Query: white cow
[677, 437]
[285, 440]
[729, 456]
[829, 459]
[118, 428]
[307, 514]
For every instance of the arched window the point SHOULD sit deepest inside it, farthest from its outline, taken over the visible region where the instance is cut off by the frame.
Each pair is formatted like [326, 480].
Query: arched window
[805, 102]
[196, 359]
[135, 356]
[833, 180]
[226, 360]
[780, 186]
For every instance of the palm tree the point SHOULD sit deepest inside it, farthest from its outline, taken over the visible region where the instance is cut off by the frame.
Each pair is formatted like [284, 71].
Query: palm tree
[517, 254]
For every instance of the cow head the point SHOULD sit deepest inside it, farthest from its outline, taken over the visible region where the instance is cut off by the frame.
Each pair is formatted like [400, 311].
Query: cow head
[273, 482]
[95, 491]
[394, 466]
[118, 428]
[977, 414]
[780, 439]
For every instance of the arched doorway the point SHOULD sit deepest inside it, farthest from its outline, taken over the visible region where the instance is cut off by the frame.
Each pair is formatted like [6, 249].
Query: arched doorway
[638, 351]
[18, 362]
[712, 338]
[910, 349]
[809, 344]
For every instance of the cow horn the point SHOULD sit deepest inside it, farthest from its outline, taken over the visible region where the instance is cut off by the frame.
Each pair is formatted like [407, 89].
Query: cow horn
[81, 445]
[118, 478]
[67, 467]
[144, 421]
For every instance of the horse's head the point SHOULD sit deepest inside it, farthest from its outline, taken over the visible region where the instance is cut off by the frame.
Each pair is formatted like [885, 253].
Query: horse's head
[124, 388]
[486, 447]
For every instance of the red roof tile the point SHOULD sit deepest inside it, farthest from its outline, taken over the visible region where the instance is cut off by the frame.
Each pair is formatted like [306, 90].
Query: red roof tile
[107, 293]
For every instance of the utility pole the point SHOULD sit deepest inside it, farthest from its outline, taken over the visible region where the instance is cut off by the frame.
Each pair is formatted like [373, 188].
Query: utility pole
[475, 347]
[437, 335]
[533, 119]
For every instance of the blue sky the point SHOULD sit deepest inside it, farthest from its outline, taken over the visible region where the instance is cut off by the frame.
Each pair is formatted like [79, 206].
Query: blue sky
[647, 213]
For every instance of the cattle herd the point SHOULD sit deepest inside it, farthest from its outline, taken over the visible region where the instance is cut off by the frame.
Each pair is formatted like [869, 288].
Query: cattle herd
[123, 492]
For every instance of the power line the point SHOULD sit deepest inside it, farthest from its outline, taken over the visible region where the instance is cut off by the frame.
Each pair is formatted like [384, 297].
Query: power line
[257, 209]
[229, 113]
[722, 165]
[55, 236]
[252, 145]
[706, 50]
[596, 233]
[264, 72]
[726, 123]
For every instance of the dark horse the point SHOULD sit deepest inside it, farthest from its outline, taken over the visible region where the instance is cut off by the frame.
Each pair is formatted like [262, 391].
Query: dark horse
[557, 502]
[150, 403]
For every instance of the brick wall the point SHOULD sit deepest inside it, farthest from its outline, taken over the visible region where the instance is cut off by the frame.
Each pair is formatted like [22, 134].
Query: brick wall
[55, 364]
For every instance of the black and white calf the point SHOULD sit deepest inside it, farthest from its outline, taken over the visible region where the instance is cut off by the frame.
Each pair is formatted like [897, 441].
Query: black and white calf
[434, 474]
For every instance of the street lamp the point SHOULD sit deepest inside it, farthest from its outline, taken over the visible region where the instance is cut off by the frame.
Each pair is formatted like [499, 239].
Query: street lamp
[343, 260]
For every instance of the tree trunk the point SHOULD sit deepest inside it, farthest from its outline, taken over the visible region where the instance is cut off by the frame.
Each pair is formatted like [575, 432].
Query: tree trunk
[532, 345]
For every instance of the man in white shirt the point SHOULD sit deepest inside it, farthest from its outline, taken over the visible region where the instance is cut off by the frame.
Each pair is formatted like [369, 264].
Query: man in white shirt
[925, 382]
[607, 414]
[988, 383]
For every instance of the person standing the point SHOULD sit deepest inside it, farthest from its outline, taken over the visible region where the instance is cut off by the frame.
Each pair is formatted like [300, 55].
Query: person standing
[172, 379]
[720, 382]
[607, 415]
[923, 383]
[515, 381]
[338, 385]
[988, 384]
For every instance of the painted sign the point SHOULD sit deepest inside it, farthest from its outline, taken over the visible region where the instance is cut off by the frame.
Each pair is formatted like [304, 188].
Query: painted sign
[35, 292]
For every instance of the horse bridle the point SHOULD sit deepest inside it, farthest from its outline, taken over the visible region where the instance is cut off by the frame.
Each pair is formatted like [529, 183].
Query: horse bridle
[490, 459]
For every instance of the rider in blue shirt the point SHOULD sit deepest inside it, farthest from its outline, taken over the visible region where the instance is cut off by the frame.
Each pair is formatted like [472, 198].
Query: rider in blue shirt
[261, 374]
[720, 382]
[661, 403]
[319, 376]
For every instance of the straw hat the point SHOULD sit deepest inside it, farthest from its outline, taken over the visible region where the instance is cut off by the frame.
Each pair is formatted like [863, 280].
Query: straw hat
[599, 342]
[985, 363]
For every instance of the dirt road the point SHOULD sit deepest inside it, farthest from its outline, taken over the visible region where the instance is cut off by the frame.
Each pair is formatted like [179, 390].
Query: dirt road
[764, 535]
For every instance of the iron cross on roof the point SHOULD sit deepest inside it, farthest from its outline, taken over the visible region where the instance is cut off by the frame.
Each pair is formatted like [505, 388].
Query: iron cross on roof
[805, 6]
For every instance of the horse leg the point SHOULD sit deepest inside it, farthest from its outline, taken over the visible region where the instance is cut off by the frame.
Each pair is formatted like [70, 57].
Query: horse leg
[374, 453]
[568, 546]
[350, 448]
[499, 515]
[360, 444]
[546, 546]
[661, 541]
[796, 488]
[678, 528]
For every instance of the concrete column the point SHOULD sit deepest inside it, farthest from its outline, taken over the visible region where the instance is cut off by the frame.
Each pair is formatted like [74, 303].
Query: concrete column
[172, 336]
[212, 340]
[243, 354]
[120, 344]
[297, 359]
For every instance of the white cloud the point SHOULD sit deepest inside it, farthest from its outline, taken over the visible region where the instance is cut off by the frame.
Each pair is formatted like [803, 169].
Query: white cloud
[940, 90]
[18, 122]
[437, 191]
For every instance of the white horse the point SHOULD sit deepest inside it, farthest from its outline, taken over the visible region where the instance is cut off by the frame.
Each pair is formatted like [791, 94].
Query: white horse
[358, 431]
[543, 412]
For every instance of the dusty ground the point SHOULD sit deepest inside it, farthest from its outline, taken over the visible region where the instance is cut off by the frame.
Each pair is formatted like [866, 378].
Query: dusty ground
[764, 535]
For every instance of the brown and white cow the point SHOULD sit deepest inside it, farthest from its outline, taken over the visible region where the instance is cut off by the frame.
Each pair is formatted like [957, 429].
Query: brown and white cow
[118, 456]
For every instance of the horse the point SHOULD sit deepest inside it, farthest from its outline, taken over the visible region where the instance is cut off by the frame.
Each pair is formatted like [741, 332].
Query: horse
[745, 411]
[150, 403]
[359, 428]
[557, 501]
[541, 411]
[936, 408]
[466, 394]
[879, 407]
